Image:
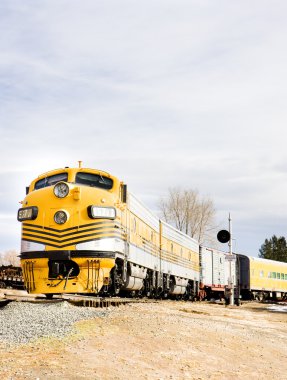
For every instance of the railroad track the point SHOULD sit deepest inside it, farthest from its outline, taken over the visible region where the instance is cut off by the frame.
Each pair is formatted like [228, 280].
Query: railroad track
[90, 301]
[12, 295]
[7, 296]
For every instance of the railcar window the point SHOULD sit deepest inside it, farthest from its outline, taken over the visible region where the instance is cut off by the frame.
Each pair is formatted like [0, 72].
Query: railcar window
[273, 274]
[135, 226]
[282, 276]
[278, 275]
[94, 180]
[285, 276]
[261, 274]
[51, 180]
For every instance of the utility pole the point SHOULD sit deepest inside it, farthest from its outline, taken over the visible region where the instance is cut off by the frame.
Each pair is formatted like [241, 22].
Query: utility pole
[225, 236]
[231, 284]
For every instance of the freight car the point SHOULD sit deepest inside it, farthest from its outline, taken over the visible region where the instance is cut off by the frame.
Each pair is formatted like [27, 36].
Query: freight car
[11, 277]
[83, 232]
[215, 273]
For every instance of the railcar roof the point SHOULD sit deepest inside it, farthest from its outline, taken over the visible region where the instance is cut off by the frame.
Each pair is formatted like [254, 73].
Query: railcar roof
[261, 260]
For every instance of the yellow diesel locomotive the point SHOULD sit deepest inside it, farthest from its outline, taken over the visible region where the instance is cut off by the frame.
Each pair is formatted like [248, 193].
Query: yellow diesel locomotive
[83, 232]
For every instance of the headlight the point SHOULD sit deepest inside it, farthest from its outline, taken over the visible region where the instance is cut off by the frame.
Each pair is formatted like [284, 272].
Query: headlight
[61, 189]
[96, 212]
[27, 213]
[60, 217]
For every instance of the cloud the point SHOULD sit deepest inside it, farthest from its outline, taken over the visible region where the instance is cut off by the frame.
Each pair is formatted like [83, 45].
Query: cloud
[159, 93]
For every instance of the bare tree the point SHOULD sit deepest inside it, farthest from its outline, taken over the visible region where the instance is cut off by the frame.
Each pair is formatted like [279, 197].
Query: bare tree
[188, 212]
[11, 258]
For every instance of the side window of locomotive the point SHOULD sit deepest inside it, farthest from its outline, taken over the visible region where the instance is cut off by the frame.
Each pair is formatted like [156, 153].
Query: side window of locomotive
[51, 180]
[94, 180]
[134, 225]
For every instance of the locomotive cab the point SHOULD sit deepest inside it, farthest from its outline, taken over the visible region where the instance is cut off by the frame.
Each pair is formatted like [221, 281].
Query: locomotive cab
[71, 231]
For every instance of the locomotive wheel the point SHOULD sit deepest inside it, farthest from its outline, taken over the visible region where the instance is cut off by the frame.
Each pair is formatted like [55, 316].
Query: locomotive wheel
[49, 296]
[2, 285]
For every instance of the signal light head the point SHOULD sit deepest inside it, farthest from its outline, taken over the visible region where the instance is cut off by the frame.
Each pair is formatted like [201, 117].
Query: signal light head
[223, 236]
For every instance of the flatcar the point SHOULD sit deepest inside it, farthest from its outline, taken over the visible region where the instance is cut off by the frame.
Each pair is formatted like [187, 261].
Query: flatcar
[84, 232]
[11, 276]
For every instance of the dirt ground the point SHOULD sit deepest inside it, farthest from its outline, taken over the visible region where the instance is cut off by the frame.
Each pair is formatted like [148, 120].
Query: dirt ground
[160, 340]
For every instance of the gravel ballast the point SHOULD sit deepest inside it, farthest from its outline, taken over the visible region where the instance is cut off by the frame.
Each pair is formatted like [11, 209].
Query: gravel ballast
[23, 322]
[154, 340]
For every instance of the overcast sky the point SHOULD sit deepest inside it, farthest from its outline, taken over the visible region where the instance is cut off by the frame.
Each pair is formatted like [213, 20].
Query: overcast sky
[160, 93]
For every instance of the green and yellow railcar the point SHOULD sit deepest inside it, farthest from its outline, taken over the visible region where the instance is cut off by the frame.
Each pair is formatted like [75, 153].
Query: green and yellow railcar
[261, 278]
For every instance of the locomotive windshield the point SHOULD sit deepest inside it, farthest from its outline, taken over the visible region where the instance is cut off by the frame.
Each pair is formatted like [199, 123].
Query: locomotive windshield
[82, 178]
[51, 180]
[94, 180]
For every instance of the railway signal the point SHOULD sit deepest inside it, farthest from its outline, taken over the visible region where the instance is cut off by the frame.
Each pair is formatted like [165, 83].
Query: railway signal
[223, 236]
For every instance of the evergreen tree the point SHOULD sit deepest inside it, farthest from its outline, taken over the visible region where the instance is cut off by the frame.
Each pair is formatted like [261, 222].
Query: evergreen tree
[274, 249]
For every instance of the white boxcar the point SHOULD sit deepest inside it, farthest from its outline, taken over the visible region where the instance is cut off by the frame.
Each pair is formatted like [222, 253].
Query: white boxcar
[215, 270]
